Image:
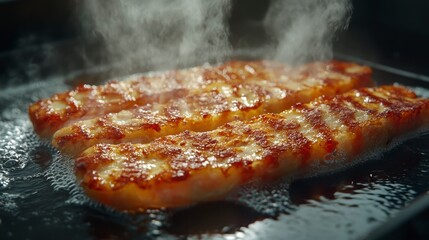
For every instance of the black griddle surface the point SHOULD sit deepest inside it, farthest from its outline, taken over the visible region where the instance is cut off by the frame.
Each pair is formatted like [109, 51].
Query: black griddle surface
[39, 199]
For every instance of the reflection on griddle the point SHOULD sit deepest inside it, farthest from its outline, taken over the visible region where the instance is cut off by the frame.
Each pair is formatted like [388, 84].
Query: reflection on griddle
[105, 227]
[212, 217]
[395, 164]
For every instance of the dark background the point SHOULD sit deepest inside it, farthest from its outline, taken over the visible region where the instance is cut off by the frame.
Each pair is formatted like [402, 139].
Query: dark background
[391, 32]
[40, 38]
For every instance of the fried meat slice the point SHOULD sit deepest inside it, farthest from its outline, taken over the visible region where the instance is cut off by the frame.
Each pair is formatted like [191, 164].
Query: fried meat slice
[86, 101]
[215, 104]
[191, 167]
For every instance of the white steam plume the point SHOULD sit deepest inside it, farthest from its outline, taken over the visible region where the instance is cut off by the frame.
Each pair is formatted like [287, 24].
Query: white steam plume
[175, 33]
[161, 33]
[303, 30]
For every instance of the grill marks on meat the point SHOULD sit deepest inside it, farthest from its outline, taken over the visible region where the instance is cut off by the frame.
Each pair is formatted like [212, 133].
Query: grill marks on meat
[190, 167]
[86, 101]
[233, 91]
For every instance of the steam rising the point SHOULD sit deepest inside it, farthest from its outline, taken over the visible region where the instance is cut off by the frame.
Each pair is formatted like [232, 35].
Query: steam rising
[164, 33]
[303, 30]
[171, 33]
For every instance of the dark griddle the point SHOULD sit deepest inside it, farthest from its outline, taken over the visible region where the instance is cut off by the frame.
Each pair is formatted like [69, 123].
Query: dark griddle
[347, 204]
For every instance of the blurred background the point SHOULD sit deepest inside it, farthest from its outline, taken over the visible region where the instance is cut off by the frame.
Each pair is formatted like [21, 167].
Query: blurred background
[40, 38]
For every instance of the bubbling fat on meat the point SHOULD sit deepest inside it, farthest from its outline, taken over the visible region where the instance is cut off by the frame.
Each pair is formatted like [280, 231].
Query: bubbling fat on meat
[86, 101]
[232, 91]
[191, 167]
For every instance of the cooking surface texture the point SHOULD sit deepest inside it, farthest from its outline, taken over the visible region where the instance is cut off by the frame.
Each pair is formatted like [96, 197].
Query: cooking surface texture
[39, 197]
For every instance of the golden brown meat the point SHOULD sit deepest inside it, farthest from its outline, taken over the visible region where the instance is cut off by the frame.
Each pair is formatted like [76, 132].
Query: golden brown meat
[191, 167]
[85, 102]
[270, 87]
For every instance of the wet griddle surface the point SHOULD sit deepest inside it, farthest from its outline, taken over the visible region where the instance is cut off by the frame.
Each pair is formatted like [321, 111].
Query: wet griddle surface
[40, 200]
